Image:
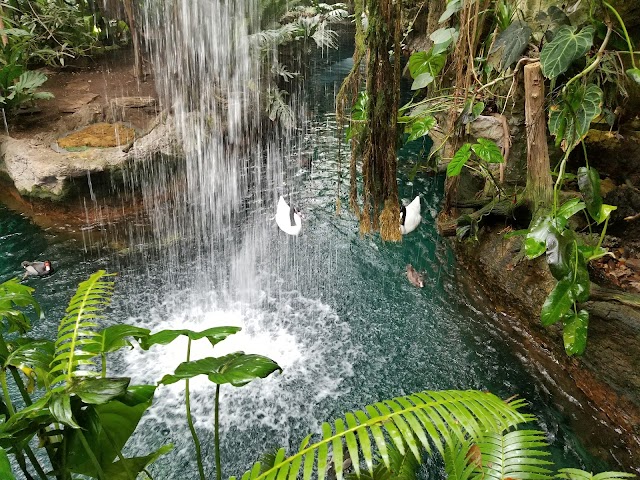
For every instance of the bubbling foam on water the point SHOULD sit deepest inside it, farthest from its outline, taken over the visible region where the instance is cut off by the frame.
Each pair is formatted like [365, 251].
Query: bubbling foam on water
[299, 333]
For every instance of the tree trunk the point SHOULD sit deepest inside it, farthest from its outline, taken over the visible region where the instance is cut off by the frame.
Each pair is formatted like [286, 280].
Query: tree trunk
[135, 39]
[539, 191]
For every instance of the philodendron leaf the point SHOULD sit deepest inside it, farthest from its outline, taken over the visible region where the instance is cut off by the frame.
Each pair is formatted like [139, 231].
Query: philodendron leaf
[442, 38]
[13, 294]
[5, 466]
[558, 303]
[96, 391]
[421, 127]
[509, 45]
[459, 159]
[571, 116]
[535, 243]
[422, 80]
[634, 73]
[566, 46]
[575, 332]
[453, 7]
[115, 337]
[33, 353]
[488, 151]
[133, 466]
[236, 368]
[560, 253]
[589, 184]
[164, 337]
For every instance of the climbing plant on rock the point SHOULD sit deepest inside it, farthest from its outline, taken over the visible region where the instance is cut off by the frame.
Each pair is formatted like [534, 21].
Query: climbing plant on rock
[374, 137]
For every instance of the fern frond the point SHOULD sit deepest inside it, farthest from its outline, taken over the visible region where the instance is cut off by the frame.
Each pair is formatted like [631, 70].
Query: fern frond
[576, 474]
[516, 454]
[267, 39]
[279, 110]
[75, 332]
[417, 421]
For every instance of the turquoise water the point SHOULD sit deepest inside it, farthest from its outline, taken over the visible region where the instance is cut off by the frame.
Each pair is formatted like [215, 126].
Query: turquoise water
[334, 309]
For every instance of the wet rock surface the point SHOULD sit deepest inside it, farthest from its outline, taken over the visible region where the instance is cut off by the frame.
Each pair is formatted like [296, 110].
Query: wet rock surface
[600, 391]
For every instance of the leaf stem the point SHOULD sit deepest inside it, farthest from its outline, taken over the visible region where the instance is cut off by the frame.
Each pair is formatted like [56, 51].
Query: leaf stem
[5, 393]
[103, 356]
[91, 455]
[216, 432]
[123, 461]
[624, 29]
[194, 434]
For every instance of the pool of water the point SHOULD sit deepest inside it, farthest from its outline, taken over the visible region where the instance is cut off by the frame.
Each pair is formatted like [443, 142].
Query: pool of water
[334, 309]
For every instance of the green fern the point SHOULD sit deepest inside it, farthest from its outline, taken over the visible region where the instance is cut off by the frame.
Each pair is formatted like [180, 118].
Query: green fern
[575, 474]
[516, 454]
[409, 424]
[75, 334]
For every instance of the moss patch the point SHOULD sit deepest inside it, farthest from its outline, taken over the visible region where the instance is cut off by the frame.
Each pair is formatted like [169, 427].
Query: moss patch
[99, 135]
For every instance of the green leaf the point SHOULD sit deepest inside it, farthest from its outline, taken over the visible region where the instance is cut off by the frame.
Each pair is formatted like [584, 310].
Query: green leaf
[60, 408]
[33, 353]
[30, 80]
[107, 428]
[237, 368]
[458, 161]
[634, 73]
[97, 391]
[115, 337]
[605, 212]
[509, 45]
[75, 331]
[535, 243]
[575, 474]
[570, 208]
[561, 253]
[589, 184]
[13, 294]
[133, 466]
[164, 337]
[488, 151]
[558, 303]
[5, 466]
[421, 127]
[566, 47]
[575, 332]
[453, 7]
[442, 38]
[571, 116]
[422, 81]
[425, 62]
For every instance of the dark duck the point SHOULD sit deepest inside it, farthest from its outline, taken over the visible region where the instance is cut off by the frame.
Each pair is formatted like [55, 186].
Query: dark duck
[37, 269]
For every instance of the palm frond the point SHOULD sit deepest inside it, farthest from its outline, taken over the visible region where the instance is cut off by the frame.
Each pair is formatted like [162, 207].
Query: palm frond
[75, 332]
[417, 421]
[516, 454]
[575, 474]
[281, 70]
[325, 37]
[461, 460]
[268, 39]
[279, 109]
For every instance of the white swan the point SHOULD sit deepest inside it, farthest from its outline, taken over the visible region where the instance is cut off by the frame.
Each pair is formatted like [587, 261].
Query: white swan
[288, 218]
[410, 216]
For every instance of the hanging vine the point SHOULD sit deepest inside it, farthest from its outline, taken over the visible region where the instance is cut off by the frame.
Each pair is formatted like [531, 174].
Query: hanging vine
[374, 139]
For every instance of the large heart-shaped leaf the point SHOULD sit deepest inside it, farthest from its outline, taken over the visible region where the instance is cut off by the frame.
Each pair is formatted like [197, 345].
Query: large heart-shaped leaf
[164, 337]
[589, 184]
[421, 81]
[561, 253]
[459, 159]
[5, 466]
[236, 368]
[115, 337]
[509, 45]
[442, 38]
[566, 46]
[634, 73]
[535, 243]
[575, 332]
[107, 428]
[488, 151]
[97, 391]
[570, 208]
[571, 116]
[558, 303]
[605, 212]
[420, 127]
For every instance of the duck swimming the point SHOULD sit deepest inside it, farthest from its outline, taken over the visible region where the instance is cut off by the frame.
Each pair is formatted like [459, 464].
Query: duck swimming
[410, 216]
[37, 269]
[288, 218]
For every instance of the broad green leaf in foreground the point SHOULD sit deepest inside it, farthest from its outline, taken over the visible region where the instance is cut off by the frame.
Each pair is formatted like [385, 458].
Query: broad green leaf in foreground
[575, 332]
[459, 159]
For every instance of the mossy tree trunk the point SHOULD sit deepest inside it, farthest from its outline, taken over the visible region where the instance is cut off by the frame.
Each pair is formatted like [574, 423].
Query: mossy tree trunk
[539, 191]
